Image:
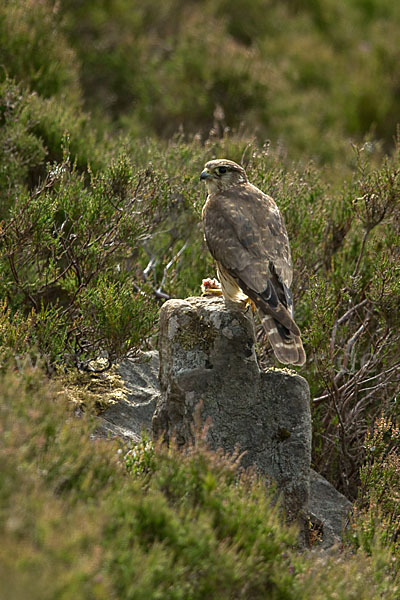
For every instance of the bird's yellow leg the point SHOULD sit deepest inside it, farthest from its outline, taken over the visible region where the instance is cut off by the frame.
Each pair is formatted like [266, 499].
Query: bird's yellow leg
[248, 303]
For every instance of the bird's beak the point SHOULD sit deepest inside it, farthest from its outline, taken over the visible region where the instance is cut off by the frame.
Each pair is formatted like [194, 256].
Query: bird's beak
[205, 174]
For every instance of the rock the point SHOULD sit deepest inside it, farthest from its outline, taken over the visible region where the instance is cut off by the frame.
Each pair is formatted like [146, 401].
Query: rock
[326, 509]
[328, 512]
[207, 359]
[128, 418]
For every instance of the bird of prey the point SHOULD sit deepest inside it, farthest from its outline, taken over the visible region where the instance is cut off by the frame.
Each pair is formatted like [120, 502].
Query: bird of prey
[246, 235]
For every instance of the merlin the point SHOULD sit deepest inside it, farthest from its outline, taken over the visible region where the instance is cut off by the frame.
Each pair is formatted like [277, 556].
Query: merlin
[245, 233]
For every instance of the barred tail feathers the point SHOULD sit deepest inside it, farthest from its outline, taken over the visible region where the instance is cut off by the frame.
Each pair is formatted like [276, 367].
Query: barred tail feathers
[287, 346]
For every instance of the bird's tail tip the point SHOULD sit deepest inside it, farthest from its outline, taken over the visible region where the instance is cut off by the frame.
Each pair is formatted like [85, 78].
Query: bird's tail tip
[288, 349]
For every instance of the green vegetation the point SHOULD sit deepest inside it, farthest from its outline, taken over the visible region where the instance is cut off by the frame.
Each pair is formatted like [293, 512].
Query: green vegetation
[83, 519]
[377, 511]
[311, 75]
[108, 111]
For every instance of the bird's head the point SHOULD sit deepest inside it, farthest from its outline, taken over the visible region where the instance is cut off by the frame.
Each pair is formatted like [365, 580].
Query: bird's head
[221, 174]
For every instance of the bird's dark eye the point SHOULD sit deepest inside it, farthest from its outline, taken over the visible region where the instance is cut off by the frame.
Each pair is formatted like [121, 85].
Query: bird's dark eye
[221, 170]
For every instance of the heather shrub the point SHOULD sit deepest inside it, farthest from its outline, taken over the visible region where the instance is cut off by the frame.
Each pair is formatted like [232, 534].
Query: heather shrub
[217, 66]
[76, 523]
[377, 510]
[35, 131]
[52, 477]
[64, 252]
[34, 51]
[353, 333]
[205, 67]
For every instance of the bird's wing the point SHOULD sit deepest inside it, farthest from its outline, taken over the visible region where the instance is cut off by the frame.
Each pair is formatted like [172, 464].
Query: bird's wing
[244, 231]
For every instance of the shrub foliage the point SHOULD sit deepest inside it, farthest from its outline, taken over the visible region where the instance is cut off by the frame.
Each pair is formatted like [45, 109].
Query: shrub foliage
[76, 523]
[377, 510]
[61, 249]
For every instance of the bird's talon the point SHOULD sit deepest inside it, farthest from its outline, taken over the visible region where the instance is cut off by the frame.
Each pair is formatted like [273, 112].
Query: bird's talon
[249, 304]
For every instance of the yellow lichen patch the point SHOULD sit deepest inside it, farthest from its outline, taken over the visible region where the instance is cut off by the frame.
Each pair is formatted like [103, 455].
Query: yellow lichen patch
[285, 370]
[93, 391]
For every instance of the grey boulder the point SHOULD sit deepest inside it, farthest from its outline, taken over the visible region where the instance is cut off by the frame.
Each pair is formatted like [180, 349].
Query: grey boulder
[130, 417]
[207, 360]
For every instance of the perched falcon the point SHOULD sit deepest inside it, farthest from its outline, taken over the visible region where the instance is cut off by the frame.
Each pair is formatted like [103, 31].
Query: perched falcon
[246, 235]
